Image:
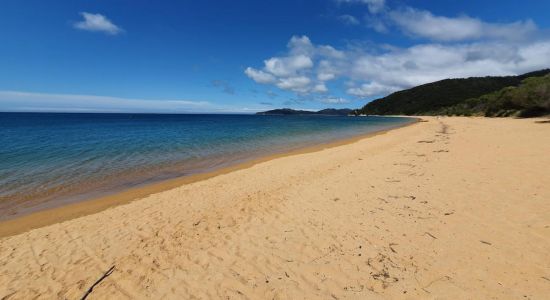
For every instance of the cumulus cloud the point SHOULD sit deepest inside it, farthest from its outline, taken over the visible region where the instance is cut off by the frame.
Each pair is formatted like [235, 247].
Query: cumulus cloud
[299, 84]
[456, 47]
[259, 76]
[403, 68]
[287, 66]
[294, 71]
[370, 71]
[97, 23]
[325, 76]
[320, 88]
[421, 23]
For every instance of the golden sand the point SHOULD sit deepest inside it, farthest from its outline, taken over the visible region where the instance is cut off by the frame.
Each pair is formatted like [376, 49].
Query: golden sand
[453, 208]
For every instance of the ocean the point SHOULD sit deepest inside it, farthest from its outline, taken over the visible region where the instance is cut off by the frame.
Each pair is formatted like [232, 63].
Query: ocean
[47, 159]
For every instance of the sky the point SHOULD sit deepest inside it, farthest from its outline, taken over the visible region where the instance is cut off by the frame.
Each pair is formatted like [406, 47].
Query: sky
[247, 56]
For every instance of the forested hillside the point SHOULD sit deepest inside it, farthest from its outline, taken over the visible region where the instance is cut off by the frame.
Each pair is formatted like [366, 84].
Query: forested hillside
[445, 96]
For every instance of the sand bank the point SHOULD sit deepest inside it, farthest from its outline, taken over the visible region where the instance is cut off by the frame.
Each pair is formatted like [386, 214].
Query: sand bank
[450, 208]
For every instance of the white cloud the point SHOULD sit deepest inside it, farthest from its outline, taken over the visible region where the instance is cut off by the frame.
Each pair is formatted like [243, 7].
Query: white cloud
[403, 68]
[375, 6]
[421, 23]
[329, 51]
[259, 76]
[98, 23]
[373, 70]
[287, 66]
[293, 72]
[460, 47]
[334, 100]
[371, 89]
[299, 84]
[320, 88]
[325, 76]
[27, 101]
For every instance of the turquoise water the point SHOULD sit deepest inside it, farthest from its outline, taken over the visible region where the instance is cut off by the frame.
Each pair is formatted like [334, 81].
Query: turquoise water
[47, 159]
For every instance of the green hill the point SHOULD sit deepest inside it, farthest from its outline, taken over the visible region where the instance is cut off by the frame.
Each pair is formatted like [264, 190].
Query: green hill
[531, 98]
[438, 97]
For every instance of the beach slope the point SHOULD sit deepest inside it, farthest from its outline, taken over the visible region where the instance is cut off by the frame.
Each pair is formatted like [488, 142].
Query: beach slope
[452, 208]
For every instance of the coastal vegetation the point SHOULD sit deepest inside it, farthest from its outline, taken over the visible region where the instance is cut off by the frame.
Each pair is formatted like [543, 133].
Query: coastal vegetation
[523, 96]
[530, 99]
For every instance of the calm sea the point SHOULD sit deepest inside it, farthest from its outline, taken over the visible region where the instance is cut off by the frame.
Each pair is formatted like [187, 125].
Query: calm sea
[52, 158]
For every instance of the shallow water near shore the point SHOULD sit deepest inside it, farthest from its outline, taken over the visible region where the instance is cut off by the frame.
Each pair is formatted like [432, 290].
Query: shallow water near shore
[51, 158]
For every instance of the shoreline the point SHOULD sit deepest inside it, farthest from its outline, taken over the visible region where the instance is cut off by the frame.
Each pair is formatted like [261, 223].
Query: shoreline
[434, 210]
[72, 210]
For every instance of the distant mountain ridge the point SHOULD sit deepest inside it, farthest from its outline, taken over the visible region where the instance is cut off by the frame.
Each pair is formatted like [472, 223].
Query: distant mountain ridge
[437, 97]
[325, 112]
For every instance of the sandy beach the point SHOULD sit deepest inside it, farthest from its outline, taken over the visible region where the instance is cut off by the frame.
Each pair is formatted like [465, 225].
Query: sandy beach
[449, 208]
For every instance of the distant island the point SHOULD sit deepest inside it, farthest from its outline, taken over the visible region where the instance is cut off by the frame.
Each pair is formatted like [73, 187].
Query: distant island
[526, 95]
[325, 112]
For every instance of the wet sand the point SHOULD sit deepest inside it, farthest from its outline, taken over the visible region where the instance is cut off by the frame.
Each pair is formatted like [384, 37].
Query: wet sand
[450, 208]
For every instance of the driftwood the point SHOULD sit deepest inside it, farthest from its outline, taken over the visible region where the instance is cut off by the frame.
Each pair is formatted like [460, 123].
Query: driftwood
[97, 282]
[431, 235]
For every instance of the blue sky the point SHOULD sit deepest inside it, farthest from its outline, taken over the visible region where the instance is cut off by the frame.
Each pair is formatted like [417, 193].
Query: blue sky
[245, 56]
